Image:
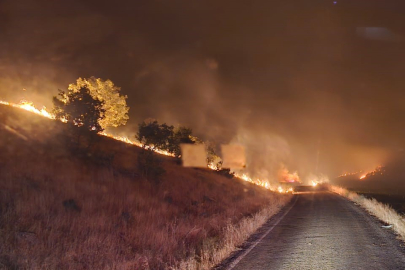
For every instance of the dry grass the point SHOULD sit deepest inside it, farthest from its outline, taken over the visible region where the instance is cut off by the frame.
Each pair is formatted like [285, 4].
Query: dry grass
[234, 236]
[59, 210]
[382, 211]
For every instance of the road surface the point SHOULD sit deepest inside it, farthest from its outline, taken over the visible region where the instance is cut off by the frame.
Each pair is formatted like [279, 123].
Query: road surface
[320, 230]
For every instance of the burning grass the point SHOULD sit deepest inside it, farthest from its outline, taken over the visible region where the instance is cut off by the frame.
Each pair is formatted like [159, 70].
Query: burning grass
[382, 211]
[91, 208]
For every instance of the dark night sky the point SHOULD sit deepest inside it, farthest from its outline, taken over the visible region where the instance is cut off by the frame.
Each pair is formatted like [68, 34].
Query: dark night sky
[282, 77]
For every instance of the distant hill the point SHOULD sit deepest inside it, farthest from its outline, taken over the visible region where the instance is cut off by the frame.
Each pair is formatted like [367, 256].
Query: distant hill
[389, 179]
[87, 203]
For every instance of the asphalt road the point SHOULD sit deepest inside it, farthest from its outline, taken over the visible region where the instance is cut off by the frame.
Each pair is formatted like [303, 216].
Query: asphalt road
[321, 230]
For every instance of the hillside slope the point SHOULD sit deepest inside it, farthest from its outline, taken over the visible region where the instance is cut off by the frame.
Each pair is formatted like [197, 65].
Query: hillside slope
[88, 205]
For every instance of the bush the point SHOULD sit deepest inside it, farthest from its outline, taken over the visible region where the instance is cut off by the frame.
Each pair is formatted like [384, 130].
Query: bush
[154, 135]
[164, 137]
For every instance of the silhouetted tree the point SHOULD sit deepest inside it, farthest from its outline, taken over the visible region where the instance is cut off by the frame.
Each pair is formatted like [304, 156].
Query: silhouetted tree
[179, 136]
[164, 137]
[79, 108]
[212, 156]
[154, 135]
[114, 105]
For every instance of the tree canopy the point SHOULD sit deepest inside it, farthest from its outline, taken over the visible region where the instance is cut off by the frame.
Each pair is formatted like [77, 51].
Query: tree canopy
[163, 136]
[79, 108]
[155, 135]
[180, 135]
[114, 105]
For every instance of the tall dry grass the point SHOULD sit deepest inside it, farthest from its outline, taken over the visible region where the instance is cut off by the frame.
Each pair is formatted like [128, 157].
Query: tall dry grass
[59, 210]
[234, 236]
[382, 211]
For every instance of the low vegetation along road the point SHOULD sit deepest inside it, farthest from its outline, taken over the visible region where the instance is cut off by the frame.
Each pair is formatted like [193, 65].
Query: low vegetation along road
[321, 230]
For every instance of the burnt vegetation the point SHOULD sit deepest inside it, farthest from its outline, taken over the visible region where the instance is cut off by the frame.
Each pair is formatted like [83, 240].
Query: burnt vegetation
[114, 206]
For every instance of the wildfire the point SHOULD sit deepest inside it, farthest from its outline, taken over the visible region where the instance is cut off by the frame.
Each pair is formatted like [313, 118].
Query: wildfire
[29, 106]
[264, 184]
[286, 177]
[350, 174]
[314, 183]
[364, 175]
[378, 170]
[212, 166]
[128, 141]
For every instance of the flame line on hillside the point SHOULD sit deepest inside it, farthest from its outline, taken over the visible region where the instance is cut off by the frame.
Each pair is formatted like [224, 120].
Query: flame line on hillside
[264, 184]
[136, 143]
[364, 175]
[29, 106]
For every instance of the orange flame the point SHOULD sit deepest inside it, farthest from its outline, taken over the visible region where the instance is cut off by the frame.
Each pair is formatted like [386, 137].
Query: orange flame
[29, 106]
[264, 183]
[349, 173]
[128, 141]
[378, 170]
[364, 175]
[314, 183]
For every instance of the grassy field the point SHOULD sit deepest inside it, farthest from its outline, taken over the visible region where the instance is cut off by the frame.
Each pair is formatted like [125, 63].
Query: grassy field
[69, 203]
